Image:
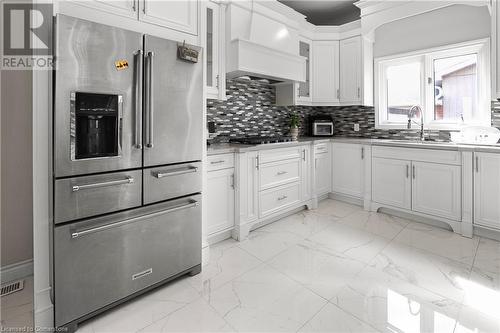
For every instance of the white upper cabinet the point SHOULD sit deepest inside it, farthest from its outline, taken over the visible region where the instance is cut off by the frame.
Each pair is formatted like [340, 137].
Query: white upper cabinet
[127, 8]
[298, 93]
[487, 190]
[350, 70]
[215, 50]
[178, 15]
[436, 190]
[348, 169]
[304, 89]
[326, 90]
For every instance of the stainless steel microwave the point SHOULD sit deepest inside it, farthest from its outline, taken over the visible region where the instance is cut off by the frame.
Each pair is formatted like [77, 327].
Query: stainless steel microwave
[321, 126]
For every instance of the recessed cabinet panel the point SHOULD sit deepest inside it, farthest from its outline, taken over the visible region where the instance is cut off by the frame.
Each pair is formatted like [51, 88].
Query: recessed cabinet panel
[391, 182]
[350, 70]
[487, 189]
[322, 169]
[326, 72]
[348, 169]
[174, 14]
[220, 200]
[436, 189]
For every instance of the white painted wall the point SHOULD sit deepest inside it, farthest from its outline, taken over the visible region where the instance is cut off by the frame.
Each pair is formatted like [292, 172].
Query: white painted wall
[449, 25]
[16, 165]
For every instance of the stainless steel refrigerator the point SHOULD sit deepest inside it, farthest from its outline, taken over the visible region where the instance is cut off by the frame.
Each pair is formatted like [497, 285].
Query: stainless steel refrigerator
[127, 147]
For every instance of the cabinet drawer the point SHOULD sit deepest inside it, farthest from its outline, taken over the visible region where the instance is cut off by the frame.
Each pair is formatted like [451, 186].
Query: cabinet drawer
[80, 197]
[418, 154]
[103, 260]
[279, 173]
[168, 182]
[321, 148]
[277, 199]
[274, 155]
[221, 161]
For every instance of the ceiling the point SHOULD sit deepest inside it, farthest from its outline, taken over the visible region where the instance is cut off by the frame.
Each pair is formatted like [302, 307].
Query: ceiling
[326, 12]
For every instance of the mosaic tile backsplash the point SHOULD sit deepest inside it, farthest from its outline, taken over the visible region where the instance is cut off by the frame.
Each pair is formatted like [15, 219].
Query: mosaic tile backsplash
[250, 110]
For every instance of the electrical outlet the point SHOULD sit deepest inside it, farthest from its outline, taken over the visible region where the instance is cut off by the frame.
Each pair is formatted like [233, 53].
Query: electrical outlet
[356, 127]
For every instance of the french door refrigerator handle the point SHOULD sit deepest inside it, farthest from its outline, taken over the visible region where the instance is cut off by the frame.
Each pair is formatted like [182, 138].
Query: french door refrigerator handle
[149, 100]
[83, 232]
[138, 100]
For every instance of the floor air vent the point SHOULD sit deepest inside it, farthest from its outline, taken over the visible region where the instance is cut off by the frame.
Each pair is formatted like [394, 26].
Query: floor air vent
[12, 287]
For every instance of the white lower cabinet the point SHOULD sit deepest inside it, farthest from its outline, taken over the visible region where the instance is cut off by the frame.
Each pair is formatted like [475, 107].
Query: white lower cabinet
[436, 189]
[429, 188]
[391, 183]
[322, 169]
[487, 189]
[220, 198]
[348, 169]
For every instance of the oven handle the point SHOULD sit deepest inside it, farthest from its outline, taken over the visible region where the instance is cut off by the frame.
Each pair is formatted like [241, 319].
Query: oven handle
[77, 188]
[83, 232]
[138, 100]
[174, 172]
[149, 100]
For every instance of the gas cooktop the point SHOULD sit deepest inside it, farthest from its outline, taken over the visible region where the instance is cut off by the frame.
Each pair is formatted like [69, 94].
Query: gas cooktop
[258, 140]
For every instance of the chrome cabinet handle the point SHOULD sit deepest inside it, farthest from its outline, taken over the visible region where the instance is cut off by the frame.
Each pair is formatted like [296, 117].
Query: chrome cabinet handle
[413, 167]
[283, 197]
[217, 162]
[362, 153]
[174, 172]
[138, 100]
[79, 233]
[257, 162]
[359, 92]
[279, 173]
[477, 164]
[217, 81]
[76, 188]
[303, 154]
[407, 171]
[149, 100]
[232, 181]
[133, 6]
[338, 93]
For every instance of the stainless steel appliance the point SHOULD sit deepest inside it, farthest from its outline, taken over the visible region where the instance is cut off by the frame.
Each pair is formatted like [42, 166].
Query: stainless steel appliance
[127, 165]
[321, 126]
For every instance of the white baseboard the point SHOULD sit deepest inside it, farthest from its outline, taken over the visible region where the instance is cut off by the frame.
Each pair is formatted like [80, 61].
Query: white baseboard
[16, 271]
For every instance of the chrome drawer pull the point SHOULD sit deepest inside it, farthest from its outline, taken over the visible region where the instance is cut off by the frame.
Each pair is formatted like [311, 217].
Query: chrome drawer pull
[174, 172]
[279, 173]
[79, 233]
[282, 198]
[217, 162]
[129, 180]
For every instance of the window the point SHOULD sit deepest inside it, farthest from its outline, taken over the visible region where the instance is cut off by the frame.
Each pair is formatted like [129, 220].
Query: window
[450, 84]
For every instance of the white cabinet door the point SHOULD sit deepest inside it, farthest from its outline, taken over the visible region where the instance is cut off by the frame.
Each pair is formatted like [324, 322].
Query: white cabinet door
[220, 200]
[180, 15]
[323, 171]
[391, 182]
[304, 89]
[251, 187]
[126, 8]
[305, 179]
[212, 49]
[326, 72]
[348, 169]
[487, 190]
[436, 190]
[350, 70]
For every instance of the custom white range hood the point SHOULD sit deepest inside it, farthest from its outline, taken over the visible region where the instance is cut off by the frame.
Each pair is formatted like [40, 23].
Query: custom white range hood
[261, 44]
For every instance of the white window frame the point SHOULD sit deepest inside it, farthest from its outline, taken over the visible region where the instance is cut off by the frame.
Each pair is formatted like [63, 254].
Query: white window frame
[426, 57]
